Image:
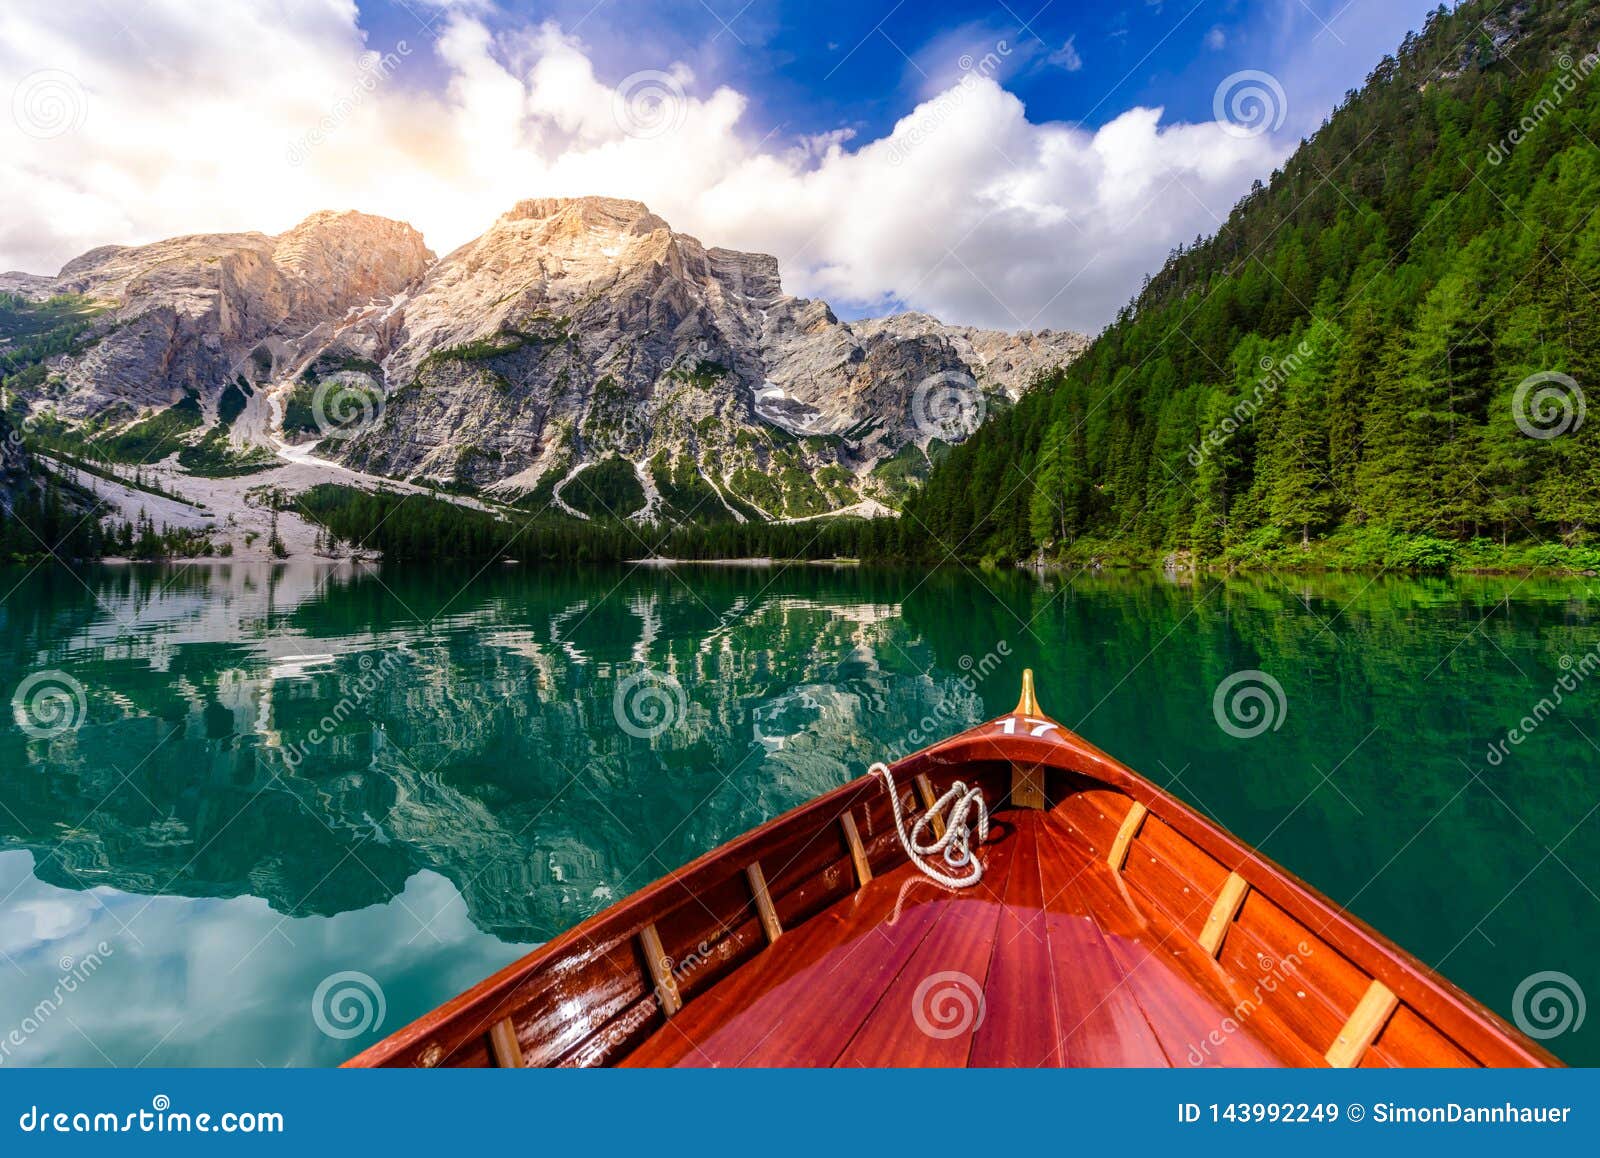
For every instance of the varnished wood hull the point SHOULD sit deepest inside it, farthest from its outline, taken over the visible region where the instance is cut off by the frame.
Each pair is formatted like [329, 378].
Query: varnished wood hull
[1113, 926]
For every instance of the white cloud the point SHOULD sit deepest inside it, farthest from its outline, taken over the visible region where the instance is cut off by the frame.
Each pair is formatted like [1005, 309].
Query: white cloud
[966, 209]
[1216, 39]
[989, 50]
[1067, 55]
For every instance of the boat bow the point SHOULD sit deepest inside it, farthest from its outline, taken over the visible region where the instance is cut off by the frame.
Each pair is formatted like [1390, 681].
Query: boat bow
[1157, 938]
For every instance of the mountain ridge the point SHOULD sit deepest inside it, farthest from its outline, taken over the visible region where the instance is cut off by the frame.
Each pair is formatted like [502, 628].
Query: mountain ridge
[574, 335]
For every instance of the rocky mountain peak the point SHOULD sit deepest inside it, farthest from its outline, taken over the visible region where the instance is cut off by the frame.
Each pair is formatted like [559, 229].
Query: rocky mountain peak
[615, 213]
[93, 259]
[347, 258]
[580, 352]
[178, 315]
[339, 234]
[581, 332]
[601, 235]
[595, 231]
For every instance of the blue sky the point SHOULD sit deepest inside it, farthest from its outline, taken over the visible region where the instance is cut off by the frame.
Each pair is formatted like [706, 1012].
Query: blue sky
[1003, 163]
[814, 67]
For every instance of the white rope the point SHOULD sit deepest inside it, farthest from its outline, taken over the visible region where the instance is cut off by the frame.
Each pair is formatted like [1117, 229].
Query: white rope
[955, 844]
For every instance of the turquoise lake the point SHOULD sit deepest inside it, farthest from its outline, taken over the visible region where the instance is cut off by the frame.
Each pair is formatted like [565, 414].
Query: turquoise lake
[264, 815]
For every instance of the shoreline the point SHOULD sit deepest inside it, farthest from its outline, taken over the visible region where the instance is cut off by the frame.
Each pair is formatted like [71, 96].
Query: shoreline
[227, 561]
[751, 561]
[1053, 568]
[1222, 571]
[1040, 571]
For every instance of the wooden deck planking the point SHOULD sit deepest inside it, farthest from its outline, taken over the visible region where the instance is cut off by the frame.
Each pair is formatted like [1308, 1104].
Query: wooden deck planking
[1070, 971]
[1075, 967]
[1194, 1030]
[1183, 997]
[1019, 980]
[1186, 995]
[891, 918]
[1102, 1020]
[841, 958]
[929, 1013]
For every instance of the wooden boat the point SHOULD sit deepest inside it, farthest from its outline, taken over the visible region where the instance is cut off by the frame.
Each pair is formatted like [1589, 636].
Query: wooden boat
[1112, 926]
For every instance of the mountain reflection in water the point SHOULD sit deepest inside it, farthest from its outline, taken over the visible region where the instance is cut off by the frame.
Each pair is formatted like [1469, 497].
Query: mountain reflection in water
[284, 772]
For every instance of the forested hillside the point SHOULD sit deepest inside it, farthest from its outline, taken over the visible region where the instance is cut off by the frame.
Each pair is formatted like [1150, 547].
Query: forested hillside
[1343, 371]
[39, 514]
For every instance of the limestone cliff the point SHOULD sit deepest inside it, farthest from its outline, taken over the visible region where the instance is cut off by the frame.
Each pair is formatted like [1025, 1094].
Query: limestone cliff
[579, 354]
[178, 315]
[577, 331]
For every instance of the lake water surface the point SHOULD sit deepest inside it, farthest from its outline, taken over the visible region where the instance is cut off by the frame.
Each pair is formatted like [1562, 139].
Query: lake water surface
[257, 814]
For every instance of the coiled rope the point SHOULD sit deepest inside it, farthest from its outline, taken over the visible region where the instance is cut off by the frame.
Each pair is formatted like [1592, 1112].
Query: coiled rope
[955, 844]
